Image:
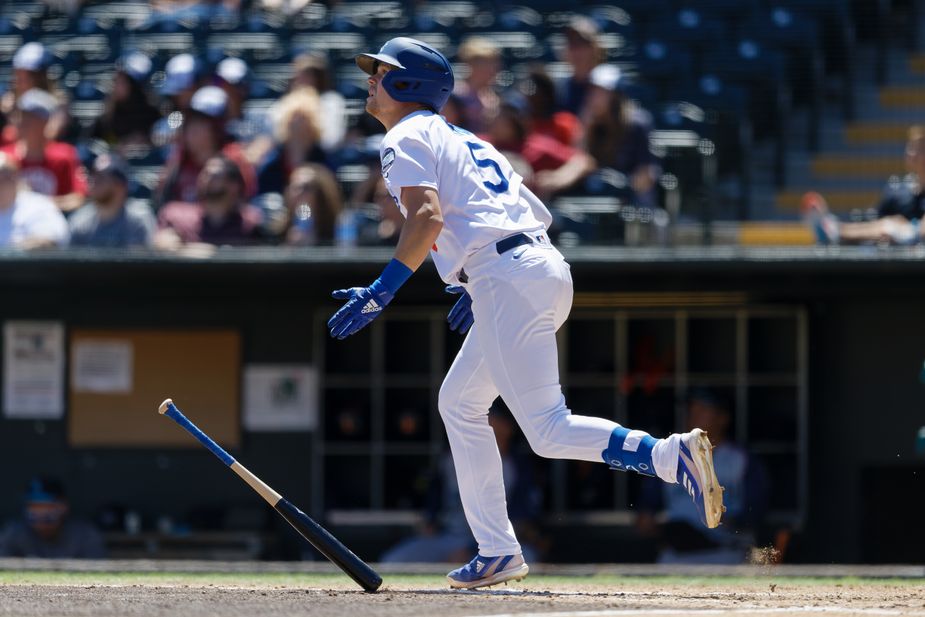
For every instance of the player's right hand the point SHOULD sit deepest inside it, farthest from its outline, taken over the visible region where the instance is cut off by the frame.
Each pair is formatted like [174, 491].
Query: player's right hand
[460, 317]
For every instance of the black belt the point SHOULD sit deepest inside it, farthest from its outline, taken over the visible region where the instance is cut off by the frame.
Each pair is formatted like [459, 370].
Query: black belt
[502, 246]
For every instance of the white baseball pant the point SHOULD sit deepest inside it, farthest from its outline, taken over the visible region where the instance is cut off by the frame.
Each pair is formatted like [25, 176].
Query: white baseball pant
[519, 301]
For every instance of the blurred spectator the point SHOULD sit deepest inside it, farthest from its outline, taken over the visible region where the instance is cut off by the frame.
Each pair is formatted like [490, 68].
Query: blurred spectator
[617, 133]
[128, 113]
[899, 213]
[477, 92]
[555, 166]
[682, 537]
[314, 201]
[313, 70]
[297, 132]
[219, 217]
[563, 126]
[47, 167]
[27, 219]
[453, 110]
[445, 536]
[583, 52]
[47, 530]
[202, 136]
[109, 219]
[182, 78]
[30, 71]
[233, 76]
[384, 228]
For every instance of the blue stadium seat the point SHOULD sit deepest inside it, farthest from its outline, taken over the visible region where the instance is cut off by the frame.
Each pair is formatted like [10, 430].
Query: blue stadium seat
[643, 11]
[838, 40]
[662, 64]
[796, 35]
[764, 74]
[731, 11]
[726, 110]
[691, 29]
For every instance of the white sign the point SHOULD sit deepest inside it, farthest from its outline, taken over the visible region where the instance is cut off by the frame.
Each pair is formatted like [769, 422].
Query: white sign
[280, 397]
[102, 366]
[33, 370]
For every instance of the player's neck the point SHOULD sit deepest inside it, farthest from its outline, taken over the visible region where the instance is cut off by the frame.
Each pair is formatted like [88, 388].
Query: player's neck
[389, 121]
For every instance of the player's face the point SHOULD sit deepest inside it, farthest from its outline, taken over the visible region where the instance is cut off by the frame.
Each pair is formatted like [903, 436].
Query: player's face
[379, 102]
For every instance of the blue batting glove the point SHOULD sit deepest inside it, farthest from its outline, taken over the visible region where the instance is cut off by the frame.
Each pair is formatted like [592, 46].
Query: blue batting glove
[363, 305]
[460, 317]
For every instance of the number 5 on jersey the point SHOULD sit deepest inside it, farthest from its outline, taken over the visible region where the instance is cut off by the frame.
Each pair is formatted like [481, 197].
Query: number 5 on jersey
[498, 187]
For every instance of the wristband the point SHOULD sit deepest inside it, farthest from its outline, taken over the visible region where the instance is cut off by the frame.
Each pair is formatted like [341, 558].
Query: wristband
[394, 275]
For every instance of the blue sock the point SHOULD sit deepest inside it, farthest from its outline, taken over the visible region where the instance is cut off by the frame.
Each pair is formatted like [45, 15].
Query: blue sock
[630, 451]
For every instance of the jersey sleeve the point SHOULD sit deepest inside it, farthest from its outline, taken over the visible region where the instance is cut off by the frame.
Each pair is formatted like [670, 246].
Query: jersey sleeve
[409, 161]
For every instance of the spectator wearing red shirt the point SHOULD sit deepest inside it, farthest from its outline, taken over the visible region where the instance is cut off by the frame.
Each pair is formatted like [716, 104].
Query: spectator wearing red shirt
[556, 167]
[221, 215]
[563, 126]
[48, 167]
[202, 136]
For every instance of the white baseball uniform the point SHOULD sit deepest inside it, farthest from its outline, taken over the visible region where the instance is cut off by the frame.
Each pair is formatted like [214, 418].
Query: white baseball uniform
[519, 299]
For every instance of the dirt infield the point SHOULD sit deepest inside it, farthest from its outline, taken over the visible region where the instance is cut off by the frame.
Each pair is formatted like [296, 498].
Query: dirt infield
[88, 594]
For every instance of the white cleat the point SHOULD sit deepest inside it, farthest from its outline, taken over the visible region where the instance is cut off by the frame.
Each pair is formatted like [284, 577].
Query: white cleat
[697, 475]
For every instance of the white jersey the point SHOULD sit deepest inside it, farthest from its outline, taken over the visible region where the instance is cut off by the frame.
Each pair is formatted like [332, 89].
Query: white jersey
[32, 217]
[482, 199]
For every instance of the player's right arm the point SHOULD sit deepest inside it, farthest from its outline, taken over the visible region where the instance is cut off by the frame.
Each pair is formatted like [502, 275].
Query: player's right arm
[422, 225]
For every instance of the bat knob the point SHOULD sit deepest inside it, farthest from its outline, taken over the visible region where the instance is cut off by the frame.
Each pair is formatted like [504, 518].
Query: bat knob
[163, 408]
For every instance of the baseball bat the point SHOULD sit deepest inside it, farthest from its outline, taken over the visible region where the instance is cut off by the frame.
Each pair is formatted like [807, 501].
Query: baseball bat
[318, 536]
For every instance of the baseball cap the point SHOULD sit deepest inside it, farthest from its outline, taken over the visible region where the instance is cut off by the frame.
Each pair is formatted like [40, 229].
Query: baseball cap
[44, 490]
[210, 101]
[606, 76]
[233, 71]
[32, 57]
[583, 28]
[111, 165]
[180, 74]
[37, 102]
[136, 65]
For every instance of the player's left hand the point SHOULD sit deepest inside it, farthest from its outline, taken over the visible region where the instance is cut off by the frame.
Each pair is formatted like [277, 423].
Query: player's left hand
[363, 305]
[460, 317]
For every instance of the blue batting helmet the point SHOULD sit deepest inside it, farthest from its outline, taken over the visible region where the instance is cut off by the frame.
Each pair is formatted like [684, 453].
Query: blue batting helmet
[421, 74]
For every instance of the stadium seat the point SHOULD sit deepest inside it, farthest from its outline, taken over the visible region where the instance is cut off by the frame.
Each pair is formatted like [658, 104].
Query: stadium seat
[682, 141]
[764, 74]
[662, 65]
[730, 11]
[798, 37]
[691, 29]
[838, 40]
[643, 12]
[726, 110]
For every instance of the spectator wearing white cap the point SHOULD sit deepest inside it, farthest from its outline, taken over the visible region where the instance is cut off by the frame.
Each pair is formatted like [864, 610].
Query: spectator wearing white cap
[233, 76]
[27, 220]
[48, 167]
[30, 71]
[109, 219]
[128, 113]
[617, 132]
[582, 52]
[182, 77]
[202, 136]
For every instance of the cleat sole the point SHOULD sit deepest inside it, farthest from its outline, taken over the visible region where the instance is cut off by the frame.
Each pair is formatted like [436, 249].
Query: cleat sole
[702, 454]
[517, 574]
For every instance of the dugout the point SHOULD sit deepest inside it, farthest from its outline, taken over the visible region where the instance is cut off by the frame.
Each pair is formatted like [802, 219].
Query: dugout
[821, 350]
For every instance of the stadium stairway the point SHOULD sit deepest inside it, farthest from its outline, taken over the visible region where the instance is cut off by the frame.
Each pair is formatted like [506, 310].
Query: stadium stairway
[857, 158]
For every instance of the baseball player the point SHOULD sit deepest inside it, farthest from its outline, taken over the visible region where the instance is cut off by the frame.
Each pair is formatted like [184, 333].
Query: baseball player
[486, 232]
